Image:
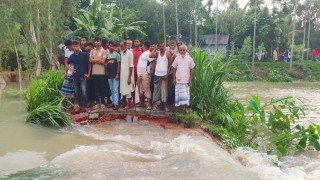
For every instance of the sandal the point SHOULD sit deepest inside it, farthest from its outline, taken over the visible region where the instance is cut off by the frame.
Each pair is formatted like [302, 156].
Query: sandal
[149, 108]
[154, 108]
[126, 108]
[166, 110]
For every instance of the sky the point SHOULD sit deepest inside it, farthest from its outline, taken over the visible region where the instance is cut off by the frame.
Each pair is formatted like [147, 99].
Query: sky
[242, 3]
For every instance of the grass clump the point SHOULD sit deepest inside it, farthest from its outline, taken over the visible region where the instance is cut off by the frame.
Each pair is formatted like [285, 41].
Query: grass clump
[276, 76]
[44, 101]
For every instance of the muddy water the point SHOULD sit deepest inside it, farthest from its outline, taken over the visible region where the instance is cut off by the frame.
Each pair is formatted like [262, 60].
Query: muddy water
[301, 166]
[304, 93]
[121, 150]
[113, 150]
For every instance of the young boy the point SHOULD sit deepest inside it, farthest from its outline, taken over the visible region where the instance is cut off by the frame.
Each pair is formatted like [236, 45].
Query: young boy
[97, 59]
[88, 46]
[183, 71]
[113, 68]
[67, 89]
[81, 73]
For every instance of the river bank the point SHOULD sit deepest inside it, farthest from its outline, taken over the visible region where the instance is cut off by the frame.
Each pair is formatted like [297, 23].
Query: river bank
[160, 151]
[271, 71]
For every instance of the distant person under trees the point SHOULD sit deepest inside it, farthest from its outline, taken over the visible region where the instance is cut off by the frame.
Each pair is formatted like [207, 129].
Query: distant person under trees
[275, 55]
[12, 76]
[286, 55]
[315, 53]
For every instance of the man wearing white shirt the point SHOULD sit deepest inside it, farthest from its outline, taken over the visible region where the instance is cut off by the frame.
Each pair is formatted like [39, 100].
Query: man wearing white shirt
[144, 77]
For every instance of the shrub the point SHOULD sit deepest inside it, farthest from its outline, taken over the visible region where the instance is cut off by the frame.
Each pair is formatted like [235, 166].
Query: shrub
[49, 115]
[276, 76]
[44, 89]
[44, 101]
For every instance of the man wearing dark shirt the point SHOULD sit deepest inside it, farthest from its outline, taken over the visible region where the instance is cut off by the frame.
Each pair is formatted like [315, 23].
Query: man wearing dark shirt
[82, 69]
[113, 69]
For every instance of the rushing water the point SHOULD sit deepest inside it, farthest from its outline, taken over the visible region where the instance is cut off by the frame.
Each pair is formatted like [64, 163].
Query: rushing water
[139, 150]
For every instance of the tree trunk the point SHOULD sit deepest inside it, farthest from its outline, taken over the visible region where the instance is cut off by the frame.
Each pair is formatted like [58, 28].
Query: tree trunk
[293, 32]
[254, 38]
[17, 58]
[177, 20]
[36, 40]
[19, 64]
[50, 49]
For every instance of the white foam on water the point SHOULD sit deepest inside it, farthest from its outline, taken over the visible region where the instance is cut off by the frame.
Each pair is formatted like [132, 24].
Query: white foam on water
[22, 160]
[291, 167]
[135, 151]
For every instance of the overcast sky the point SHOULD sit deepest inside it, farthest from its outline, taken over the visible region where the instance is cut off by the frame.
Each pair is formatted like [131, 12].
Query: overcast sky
[242, 3]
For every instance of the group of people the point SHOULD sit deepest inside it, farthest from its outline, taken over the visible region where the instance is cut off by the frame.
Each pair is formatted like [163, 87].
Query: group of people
[110, 74]
[285, 56]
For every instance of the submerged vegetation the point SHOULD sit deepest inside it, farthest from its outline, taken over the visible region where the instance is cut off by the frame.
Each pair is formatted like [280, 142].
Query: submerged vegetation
[44, 101]
[269, 127]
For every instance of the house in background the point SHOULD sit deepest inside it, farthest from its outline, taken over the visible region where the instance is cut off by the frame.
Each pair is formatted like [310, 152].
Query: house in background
[209, 44]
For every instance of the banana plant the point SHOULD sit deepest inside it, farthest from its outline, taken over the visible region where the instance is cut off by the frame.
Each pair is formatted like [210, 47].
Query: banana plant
[126, 23]
[96, 20]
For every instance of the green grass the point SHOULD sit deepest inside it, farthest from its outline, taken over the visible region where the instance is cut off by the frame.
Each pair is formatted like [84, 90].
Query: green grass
[49, 115]
[307, 71]
[44, 101]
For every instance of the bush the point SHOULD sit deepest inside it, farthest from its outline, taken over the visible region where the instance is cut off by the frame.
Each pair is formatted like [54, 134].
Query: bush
[45, 89]
[276, 76]
[44, 101]
[48, 115]
[211, 100]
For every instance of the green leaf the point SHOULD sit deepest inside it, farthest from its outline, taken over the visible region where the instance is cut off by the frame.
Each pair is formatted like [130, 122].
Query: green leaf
[311, 129]
[303, 142]
[275, 100]
[318, 129]
[256, 100]
[314, 141]
[282, 149]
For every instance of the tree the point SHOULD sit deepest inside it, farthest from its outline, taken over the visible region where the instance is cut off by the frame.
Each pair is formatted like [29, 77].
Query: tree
[12, 33]
[125, 24]
[96, 20]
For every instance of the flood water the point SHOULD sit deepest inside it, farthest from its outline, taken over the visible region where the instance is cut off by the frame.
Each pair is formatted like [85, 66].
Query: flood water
[139, 150]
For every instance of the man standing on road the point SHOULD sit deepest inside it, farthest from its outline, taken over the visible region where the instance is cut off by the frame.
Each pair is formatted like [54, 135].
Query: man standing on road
[97, 58]
[162, 69]
[81, 72]
[126, 74]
